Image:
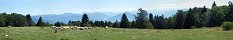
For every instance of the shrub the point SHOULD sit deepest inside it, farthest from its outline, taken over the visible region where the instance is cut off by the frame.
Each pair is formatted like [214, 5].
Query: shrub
[58, 24]
[227, 26]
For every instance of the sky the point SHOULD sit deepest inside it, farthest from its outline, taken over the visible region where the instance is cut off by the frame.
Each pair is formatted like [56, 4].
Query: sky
[39, 7]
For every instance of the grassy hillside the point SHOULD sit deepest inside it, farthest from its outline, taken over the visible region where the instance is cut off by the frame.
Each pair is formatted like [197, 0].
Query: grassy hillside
[36, 33]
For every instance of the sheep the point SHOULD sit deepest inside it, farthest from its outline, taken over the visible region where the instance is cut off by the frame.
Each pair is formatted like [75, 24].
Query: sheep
[72, 27]
[90, 27]
[81, 28]
[53, 27]
[106, 27]
[66, 27]
[8, 26]
[6, 35]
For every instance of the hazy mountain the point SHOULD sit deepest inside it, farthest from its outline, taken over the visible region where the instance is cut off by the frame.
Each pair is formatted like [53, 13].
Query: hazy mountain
[58, 18]
[52, 18]
[109, 16]
[130, 17]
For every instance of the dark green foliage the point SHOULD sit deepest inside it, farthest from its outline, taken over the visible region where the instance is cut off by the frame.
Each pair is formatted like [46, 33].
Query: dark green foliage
[47, 24]
[169, 23]
[2, 20]
[85, 21]
[214, 18]
[151, 18]
[124, 22]
[179, 19]
[96, 23]
[74, 23]
[91, 23]
[29, 20]
[229, 15]
[189, 20]
[109, 23]
[227, 26]
[201, 17]
[159, 22]
[13, 19]
[58, 24]
[18, 20]
[142, 20]
[147, 25]
[133, 24]
[40, 22]
[116, 24]
[103, 23]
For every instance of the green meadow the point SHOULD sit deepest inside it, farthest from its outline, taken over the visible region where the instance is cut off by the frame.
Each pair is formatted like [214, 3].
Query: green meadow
[38, 33]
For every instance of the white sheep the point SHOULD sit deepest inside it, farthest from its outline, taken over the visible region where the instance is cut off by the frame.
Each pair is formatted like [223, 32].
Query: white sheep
[106, 27]
[53, 27]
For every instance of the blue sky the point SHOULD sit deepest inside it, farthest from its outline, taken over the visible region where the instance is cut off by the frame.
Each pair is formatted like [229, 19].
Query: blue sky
[38, 7]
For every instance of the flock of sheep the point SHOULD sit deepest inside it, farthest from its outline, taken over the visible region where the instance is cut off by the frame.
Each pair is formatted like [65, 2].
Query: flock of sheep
[73, 27]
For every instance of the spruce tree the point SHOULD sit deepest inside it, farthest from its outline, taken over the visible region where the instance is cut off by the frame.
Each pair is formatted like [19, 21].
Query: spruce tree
[29, 20]
[40, 22]
[85, 21]
[124, 21]
[151, 18]
[189, 20]
[213, 18]
[179, 20]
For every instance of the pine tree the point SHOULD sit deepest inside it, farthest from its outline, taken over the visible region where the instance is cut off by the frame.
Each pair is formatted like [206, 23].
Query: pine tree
[159, 22]
[29, 20]
[124, 21]
[179, 20]
[151, 18]
[85, 21]
[213, 18]
[70, 23]
[142, 20]
[214, 5]
[40, 22]
[189, 20]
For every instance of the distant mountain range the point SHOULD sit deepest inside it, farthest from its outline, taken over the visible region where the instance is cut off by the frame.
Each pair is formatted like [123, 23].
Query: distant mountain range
[108, 16]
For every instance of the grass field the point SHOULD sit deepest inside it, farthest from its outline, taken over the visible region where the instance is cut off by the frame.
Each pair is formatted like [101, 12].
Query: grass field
[37, 33]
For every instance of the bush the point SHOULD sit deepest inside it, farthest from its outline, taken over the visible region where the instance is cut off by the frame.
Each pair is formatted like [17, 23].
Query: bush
[57, 24]
[227, 26]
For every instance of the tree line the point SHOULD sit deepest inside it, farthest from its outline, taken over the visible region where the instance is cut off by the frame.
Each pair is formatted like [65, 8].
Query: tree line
[14, 19]
[195, 17]
[19, 20]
